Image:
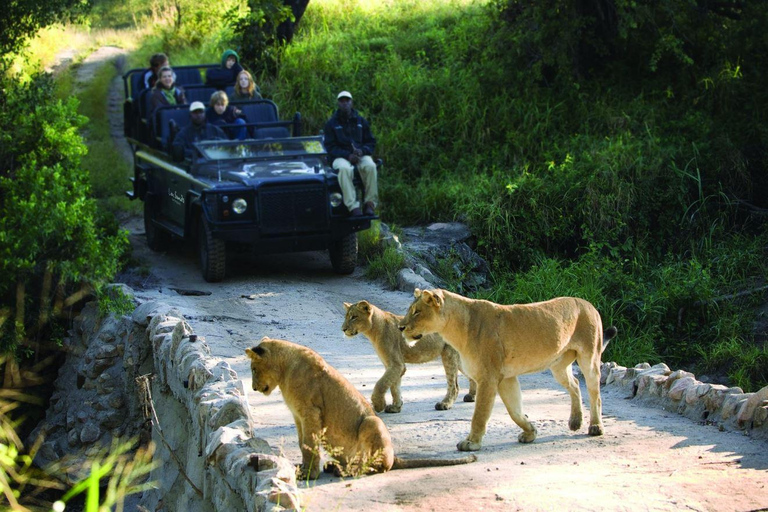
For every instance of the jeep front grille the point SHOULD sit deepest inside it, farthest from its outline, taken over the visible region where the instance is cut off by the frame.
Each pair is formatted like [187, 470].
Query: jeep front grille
[293, 209]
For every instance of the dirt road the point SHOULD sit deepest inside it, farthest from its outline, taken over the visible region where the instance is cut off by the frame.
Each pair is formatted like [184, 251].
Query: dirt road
[648, 459]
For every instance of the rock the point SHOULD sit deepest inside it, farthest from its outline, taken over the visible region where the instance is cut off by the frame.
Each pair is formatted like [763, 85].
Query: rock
[90, 433]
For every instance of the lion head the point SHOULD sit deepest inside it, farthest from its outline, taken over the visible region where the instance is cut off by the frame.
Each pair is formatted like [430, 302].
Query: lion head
[265, 371]
[358, 318]
[423, 314]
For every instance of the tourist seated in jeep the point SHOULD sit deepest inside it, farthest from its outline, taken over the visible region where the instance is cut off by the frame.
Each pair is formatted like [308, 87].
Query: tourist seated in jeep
[166, 92]
[198, 130]
[220, 113]
[157, 62]
[246, 88]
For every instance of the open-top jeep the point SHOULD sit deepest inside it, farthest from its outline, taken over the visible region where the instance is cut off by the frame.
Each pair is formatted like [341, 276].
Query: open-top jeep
[272, 193]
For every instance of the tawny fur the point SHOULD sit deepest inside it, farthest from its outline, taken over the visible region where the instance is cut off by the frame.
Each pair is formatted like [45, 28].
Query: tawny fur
[381, 328]
[326, 406]
[497, 343]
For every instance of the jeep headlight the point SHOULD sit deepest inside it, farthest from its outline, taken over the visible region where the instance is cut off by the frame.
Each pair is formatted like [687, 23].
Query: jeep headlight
[335, 198]
[239, 205]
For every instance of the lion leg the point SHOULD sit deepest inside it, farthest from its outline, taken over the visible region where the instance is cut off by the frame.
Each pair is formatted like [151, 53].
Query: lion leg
[451, 365]
[562, 370]
[310, 449]
[486, 394]
[397, 399]
[470, 397]
[590, 367]
[390, 381]
[375, 445]
[509, 389]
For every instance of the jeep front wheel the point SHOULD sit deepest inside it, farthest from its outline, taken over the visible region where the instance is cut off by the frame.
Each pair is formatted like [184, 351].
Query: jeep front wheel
[213, 253]
[344, 254]
[157, 238]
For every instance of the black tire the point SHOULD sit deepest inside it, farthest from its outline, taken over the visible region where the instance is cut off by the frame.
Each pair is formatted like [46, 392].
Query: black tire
[213, 254]
[157, 238]
[344, 254]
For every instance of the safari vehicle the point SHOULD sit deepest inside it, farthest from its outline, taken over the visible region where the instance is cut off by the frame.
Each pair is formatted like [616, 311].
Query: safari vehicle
[272, 193]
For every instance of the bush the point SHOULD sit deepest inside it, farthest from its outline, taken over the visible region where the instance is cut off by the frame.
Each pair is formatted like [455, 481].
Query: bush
[53, 242]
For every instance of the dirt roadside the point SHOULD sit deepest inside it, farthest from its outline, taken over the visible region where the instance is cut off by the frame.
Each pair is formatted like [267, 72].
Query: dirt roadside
[649, 459]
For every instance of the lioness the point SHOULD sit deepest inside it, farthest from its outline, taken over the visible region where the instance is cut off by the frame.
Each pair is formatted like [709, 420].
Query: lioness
[381, 328]
[327, 408]
[497, 343]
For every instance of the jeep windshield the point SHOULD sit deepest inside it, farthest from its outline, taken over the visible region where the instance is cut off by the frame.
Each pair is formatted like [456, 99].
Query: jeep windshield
[281, 149]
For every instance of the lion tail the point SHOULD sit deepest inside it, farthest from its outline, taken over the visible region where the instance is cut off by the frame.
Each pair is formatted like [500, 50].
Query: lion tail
[608, 335]
[431, 463]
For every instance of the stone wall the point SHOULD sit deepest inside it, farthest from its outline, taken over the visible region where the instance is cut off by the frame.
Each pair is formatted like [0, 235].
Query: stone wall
[119, 369]
[679, 391]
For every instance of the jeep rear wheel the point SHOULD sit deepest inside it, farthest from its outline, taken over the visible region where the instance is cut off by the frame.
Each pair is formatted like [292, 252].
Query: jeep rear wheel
[344, 254]
[213, 253]
[157, 238]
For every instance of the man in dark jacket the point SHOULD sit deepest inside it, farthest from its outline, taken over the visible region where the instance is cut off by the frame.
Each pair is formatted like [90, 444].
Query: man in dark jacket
[349, 143]
[197, 131]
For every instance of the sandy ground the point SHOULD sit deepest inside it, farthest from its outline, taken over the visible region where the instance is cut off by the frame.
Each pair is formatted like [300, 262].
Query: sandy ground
[649, 459]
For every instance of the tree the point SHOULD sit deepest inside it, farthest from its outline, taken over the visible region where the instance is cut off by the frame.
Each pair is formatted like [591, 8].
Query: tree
[23, 18]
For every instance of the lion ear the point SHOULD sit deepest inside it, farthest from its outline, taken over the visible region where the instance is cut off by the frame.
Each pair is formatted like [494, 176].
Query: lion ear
[254, 353]
[432, 298]
[347, 305]
[417, 292]
[364, 305]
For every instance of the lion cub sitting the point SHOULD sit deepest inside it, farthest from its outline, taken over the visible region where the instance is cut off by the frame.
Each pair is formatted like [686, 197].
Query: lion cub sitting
[381, 328]
[327, 409]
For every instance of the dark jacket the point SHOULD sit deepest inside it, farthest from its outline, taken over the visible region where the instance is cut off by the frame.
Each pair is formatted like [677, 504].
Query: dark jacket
[159, 99]
[228, 117]
[191, 134]
[342, 136]
[237, 68]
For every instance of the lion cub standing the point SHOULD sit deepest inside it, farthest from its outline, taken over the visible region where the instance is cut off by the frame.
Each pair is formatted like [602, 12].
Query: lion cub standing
[327, 409]
[381, 328]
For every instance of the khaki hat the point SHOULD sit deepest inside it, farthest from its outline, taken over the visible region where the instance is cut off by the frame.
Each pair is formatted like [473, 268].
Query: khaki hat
[197, 105]
[344, 94]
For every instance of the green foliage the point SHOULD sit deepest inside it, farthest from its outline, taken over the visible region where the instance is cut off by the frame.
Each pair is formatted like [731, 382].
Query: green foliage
[254, 28]
[52, 237]
[112, 299]
[23, 18]
[385, 265]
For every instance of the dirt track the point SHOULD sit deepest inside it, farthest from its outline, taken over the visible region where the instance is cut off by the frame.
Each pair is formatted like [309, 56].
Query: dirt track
[649, 459]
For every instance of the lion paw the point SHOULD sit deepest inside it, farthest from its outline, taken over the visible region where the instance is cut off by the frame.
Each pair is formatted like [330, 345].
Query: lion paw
[574, 424]
[469, 397]
[468, 446]
[443, 406]
[595, 430]
[303, 474]
[393, 408]
[527, 437]
[379, 403]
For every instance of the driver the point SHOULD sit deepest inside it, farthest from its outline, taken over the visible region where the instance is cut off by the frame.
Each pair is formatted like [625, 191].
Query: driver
[196, 131]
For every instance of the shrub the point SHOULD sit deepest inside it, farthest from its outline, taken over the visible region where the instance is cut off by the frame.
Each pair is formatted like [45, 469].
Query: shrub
[53, 242]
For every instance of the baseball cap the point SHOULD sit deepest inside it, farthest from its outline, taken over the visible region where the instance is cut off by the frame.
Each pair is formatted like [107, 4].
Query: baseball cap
[344, 94]
[197, 105]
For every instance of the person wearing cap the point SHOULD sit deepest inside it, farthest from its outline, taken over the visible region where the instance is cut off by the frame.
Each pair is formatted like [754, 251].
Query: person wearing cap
[198, 130]
[349, 142]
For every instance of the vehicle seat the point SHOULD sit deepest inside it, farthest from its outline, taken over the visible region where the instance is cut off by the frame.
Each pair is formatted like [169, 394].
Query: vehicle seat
[275, 132]
[163, 117]
[199, 93]
[188, 76]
